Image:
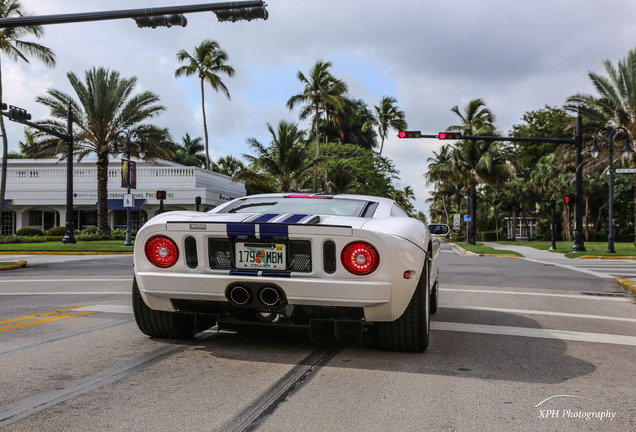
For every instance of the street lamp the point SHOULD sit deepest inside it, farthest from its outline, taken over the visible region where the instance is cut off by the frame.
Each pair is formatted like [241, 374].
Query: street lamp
[142, 154]
[627, 150]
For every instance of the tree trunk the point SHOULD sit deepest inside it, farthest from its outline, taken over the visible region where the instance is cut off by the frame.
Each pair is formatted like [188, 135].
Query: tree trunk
[205, 128]
[597, 225]
[473, 205]
[514, 219]
[5, 151]
[585, 218]
[103, 228]
[316, 120]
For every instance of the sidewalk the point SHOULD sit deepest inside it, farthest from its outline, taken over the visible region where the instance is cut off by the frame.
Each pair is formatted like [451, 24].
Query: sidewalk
[628, 285]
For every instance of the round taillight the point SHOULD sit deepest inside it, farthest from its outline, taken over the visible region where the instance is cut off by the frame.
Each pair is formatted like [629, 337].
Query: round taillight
[360, 258]
[162, 251]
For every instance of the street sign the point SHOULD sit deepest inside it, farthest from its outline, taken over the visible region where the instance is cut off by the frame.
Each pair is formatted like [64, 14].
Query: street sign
[129, 200]
[456, 221]
[468, 218]
[625, 170]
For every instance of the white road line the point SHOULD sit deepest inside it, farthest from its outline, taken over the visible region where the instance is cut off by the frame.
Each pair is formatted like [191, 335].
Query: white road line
[532, 312]
[571, 267]
[64, 280]
[535, 333]
[73, 293]
[573, 296]
[109, 309]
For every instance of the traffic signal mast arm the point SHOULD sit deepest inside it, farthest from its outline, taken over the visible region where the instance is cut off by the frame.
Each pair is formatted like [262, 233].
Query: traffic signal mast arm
[134, 13]
[24, 117]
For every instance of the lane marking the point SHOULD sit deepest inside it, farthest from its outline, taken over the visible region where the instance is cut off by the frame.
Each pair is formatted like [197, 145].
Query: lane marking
[110, 309]
[43, 321]
[536, 312]
[39, 315]
[571, 267]
[535, 333]
[574, 296]
[63, 280]
[73, 293]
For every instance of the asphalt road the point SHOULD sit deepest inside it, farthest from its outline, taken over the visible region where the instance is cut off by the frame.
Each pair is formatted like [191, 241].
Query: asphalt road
[516, 345]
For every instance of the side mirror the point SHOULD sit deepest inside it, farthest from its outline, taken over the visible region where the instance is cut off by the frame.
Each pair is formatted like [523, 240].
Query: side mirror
[439, 230]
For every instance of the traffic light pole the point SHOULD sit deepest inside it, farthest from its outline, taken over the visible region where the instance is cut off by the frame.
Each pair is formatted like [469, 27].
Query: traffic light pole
[577, 141]
[130, 13]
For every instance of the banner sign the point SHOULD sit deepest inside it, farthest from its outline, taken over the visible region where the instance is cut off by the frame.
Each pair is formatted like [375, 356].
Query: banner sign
[124, 174]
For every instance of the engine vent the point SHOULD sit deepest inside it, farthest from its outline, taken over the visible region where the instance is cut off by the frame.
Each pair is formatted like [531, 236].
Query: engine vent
[220, 252]
[299, 255]
[329, 256]
[192, 260]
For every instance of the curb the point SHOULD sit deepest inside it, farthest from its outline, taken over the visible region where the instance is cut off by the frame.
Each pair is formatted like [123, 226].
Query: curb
[17, 265]
[605, 257]
[626, 285]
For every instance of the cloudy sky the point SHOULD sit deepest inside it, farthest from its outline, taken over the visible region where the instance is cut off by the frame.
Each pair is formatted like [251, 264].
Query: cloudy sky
[429, 55]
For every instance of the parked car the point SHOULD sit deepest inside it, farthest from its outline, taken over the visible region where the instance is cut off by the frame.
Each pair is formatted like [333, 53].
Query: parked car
[322, 261]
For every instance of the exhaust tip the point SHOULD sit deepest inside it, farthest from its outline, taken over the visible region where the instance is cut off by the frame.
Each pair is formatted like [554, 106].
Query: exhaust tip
[240, 295]
[269, 296]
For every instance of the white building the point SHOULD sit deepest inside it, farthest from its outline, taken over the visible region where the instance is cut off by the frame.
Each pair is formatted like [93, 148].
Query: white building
[36, 192]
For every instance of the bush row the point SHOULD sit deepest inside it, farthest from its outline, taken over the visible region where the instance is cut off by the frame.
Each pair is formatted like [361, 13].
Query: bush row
[31, 234]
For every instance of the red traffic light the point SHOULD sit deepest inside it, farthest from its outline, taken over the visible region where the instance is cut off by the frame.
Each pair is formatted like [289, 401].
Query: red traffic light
[161, 195]
[449, 135]
[409, 134]
[569, 199]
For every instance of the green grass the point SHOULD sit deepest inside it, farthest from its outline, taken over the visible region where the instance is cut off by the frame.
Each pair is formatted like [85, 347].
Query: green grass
[593, 248]
[113, 246]
[480, 249]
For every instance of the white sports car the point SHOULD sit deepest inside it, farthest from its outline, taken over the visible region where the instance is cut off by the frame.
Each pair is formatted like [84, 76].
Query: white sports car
[321, 261]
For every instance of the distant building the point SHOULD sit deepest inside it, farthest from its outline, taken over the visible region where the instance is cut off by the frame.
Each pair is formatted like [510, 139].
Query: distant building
[36, 192]
[521, 233]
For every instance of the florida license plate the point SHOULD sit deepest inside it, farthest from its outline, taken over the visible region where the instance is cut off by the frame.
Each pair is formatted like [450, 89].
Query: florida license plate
[260, 256]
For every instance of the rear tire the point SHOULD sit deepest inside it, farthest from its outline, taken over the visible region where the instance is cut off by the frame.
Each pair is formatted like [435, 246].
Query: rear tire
[165, 325]
[410, 332]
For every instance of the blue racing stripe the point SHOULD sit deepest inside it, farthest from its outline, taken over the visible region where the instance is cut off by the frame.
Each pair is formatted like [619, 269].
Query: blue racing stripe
[264, 218]
[294, 218]
[241, 230]
[244, 272]
[273, 231]
[276, 273]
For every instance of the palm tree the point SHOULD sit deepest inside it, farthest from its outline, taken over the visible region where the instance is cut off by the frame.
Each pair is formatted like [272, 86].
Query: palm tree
[208, 62]
[14, 47]
[477, 161]
[321, 91]
[189, 153]
[616, 104]
[104, 107]
[475, 117]
[228, 165]
[340, 178]
[388, 115]
[284, 158]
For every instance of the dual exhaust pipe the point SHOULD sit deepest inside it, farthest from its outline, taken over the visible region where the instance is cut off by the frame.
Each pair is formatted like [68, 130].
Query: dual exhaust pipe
[241, 295]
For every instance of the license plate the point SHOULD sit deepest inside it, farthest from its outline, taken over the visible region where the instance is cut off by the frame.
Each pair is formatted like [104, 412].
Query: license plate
[260, 256]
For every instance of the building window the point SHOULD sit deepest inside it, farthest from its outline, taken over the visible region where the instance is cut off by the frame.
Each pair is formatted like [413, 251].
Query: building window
[43, 219]
[8, 222]
[137, 219]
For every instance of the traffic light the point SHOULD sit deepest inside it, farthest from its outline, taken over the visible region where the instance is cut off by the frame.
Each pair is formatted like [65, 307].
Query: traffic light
[161, 195]
[155, 21]
[569, 199]
[18, 114]
[449, 135]
[246, 13]
[409, 134]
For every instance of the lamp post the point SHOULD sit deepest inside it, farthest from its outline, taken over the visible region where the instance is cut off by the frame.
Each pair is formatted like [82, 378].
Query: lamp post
[142, 154]
[627, 150]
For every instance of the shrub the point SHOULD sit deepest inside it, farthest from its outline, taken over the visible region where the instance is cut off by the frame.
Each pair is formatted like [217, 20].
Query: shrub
[56, 231]
[487, 236]
[89, 230]
[29, 231]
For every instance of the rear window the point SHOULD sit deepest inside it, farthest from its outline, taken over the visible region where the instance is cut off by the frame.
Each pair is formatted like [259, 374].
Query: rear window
[299, 205]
